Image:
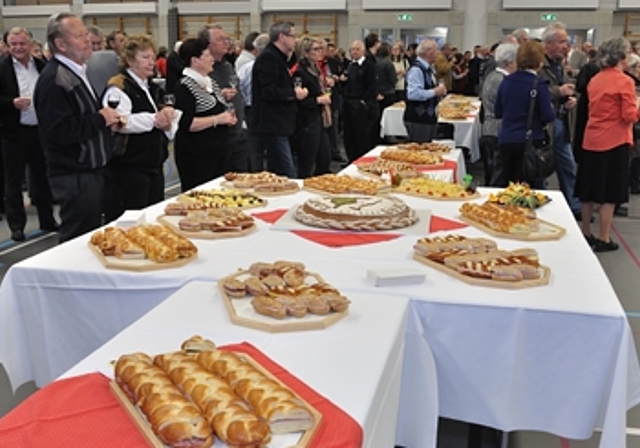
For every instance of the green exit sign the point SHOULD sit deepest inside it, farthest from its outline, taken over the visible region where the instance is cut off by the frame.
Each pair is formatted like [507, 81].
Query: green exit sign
[549, 17]
[405, 17]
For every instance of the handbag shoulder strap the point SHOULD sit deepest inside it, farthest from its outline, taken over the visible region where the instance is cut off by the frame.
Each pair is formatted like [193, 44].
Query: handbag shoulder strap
[532, 103]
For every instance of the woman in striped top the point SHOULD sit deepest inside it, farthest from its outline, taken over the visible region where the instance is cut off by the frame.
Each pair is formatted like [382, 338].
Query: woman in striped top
[202, 142]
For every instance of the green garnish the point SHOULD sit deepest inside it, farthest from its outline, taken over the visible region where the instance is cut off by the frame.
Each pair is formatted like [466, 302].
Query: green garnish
[339, 201]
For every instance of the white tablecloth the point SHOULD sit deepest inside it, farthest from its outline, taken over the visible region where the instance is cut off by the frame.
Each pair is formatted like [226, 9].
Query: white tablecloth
[356, 363]
[467, 132]
[558, 358]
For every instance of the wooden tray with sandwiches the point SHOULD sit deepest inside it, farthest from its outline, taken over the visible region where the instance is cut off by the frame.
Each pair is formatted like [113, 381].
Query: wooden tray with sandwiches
[141, 248]
[281, 297]
[213, 223]
[510, 222]
[478, 261]
[420, 159]
[202, 397]
[344, 184]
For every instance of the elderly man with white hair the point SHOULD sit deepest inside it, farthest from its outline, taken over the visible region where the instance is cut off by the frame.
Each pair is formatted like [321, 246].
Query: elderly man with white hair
[556, 44]
[505, 57]
[423, 94]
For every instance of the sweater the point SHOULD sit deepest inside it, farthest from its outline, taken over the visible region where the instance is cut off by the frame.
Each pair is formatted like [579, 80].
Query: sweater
[74, 135]
[512, 105]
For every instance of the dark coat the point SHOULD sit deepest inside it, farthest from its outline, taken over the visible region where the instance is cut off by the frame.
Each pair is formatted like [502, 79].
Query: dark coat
[274, 103]
[9, 90]
[308, 108]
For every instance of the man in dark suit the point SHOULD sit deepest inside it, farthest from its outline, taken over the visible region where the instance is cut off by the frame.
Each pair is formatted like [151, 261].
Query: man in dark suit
[75, 132]
[275, 99]
[20, 143]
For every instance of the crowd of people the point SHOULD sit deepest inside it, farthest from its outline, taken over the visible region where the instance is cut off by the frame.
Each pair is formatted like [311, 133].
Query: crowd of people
[91, 116]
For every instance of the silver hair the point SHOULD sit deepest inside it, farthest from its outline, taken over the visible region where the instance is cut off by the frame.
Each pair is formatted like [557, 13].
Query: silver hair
[55, 28]
[504, 54]
[95, 30]
[204, 31]
[177, 45]
[425, 46]
[261, 42]
[612, 51]
[280, 28]
[551, 30]
[521, 34]
[634, 60]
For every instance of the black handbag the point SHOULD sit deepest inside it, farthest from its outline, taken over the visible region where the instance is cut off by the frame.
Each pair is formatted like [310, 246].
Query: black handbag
[538, 162]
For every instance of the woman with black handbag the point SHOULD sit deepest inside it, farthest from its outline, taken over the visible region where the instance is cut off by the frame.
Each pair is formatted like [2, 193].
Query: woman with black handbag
[524, 105]
[603, 171]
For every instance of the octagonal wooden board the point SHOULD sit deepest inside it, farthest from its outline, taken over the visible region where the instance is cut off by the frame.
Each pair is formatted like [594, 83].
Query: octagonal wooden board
[545, 275]
[141, 265]
[172, 222]
[241, 312]
[547, 231]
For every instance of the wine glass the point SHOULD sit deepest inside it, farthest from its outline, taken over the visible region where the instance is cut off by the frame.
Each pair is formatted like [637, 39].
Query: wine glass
[231, 108]
[297, 82]
[113, 100]
[169, 99]
[233, 81]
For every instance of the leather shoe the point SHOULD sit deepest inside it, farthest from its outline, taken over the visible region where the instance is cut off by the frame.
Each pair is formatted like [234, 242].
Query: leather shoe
[17, 235]
[54, 227]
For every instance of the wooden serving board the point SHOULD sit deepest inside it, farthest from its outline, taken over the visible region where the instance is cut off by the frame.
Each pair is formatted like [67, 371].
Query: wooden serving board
[381, 190]
[186, 199]
[241, 312]
[145, 428]
[229, 184]
[172, 222]
[541, 281]
[137, 265]
[436, 198]
[548, 231]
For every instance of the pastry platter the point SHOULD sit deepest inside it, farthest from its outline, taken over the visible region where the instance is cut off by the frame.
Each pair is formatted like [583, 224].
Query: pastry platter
[429, 188]
[214, 389]
[478, 261]
[215, 223]
[419, 158]
[141, 248]
[513, 223]
[519, 194]
[220, 198]
[429, 147]
[262, 184]
[344, 184]
[281, 297]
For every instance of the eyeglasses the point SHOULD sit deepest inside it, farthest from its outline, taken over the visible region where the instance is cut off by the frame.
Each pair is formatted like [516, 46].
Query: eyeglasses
[289, 35]
[315, 49]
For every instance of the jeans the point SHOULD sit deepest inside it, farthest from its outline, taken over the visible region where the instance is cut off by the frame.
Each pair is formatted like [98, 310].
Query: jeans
[565, 164]
[279, 157]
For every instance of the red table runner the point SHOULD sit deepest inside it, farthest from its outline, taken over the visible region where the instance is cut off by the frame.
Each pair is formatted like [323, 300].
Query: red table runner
[338, 239]
[82, 412]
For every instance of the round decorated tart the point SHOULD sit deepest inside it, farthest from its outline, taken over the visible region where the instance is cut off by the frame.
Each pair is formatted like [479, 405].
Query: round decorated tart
[356, 212]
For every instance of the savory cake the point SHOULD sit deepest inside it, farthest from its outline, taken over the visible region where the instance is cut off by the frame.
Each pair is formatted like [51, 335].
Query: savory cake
[356, 212]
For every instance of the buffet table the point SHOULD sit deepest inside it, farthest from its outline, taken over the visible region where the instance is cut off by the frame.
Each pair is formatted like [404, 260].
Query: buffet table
[558, 358]
[467, 131]
[361, 377]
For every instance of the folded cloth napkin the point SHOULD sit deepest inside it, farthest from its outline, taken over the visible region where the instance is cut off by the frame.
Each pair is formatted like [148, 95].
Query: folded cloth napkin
[82, 411]
[438, 223]
[271, 217]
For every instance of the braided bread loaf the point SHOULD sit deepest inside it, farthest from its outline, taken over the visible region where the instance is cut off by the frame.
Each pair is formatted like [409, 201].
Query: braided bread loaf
[277, 405]
[174, 419]
[229, 416]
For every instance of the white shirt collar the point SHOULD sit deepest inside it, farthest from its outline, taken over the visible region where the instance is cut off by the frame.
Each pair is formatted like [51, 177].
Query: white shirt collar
[15, 61]
[141, 82]
[204, 81]
[360, 61]
[77, 68]
[501, 70]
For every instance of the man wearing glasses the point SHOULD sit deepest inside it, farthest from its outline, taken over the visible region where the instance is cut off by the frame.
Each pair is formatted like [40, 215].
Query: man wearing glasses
[275, 97]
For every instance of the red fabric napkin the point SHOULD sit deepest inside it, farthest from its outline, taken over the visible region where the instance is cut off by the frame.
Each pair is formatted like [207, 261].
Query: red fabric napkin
[439, 223]
[337, 429]
[270, 217]
[448, 165]
[365, 159]
[82, 411]
[337, 239]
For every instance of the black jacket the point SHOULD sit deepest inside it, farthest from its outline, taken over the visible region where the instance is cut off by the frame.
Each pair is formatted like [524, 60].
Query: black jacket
[308, 108]
[73, 134]
[274, 101]
[9, 115]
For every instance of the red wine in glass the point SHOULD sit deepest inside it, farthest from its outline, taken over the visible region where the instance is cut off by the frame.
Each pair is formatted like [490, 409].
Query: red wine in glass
[113, 101]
